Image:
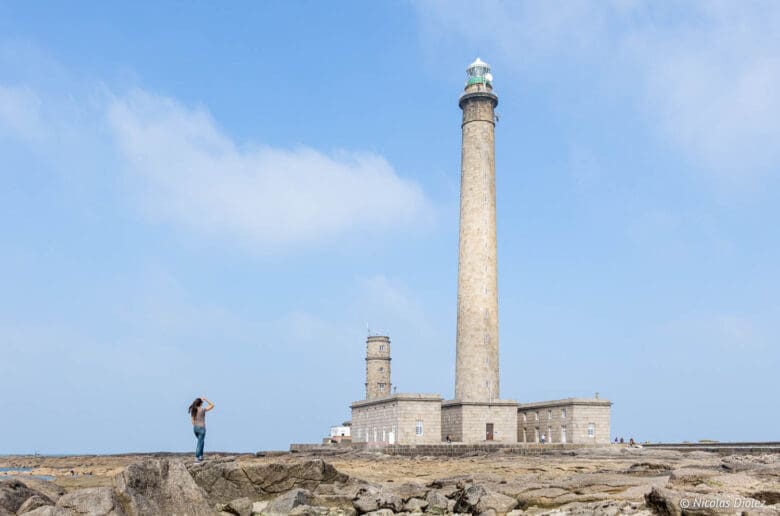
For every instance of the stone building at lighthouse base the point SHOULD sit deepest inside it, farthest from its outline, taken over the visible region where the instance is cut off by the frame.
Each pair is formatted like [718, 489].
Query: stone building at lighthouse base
[384, 419]
[473, 422]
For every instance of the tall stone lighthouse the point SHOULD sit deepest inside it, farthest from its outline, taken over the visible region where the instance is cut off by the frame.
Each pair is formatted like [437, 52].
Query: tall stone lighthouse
[477, 413]
[476, 369]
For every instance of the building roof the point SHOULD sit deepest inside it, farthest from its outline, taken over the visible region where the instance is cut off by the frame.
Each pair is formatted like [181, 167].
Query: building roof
[394, 398]
[567, 401]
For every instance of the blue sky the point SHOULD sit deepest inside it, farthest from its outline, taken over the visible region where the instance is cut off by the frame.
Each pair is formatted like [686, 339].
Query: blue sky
[216, 200]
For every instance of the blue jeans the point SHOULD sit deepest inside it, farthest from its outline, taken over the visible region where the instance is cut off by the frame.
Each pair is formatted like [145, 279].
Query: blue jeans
[200, 433]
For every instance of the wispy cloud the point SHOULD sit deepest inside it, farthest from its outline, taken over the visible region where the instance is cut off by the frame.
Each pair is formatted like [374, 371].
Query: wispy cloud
[20, 113]
[192, 173]
[702, 74]
[186, 171]
[721, 331]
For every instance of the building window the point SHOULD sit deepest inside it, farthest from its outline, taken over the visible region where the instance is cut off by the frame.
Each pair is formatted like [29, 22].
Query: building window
[563, 413]
[382, 386]
[591, 430]
[374, 434]
[563, 434]
[549, 415]
[381, 369]
[525, 417]
[549, 434]
[536, 434]
[381, 347]
[418, 427]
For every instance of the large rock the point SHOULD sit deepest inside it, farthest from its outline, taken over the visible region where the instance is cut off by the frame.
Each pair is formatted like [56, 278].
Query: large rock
[227, 480]
[338, 494]
[318, 510]
[690, 478]
[438, 503]
[381, 512]
[47, 510]
[466, 499]
[415, 505]
[161, 486]
[47, 488]
[667, 502]
[94, 501]
[366, 500]
[602, 508]
[387, 499]
[32, 503]
[239, 507]
[497, 502]
[409, 490]
[285, 503]
[370, 499]
[13, 494]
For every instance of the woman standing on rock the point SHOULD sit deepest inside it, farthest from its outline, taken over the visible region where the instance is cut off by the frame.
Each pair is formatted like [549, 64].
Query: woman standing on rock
[198, 415]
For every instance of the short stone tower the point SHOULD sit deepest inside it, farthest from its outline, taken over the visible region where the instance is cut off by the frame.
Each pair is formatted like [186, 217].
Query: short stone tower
[377, 367]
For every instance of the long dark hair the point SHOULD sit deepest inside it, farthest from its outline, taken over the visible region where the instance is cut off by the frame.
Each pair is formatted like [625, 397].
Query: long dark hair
[193, 410]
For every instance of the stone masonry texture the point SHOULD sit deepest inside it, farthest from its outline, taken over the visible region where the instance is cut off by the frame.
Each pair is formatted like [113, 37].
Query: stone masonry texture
[412, 419]
[377, 367]
[564, 421]
[467, 422]
[476, 369]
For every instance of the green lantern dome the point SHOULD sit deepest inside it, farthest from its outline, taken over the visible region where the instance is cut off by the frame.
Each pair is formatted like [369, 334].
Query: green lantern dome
[478, 72]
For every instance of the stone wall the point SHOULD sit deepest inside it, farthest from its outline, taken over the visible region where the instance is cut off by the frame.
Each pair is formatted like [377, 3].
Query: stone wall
[564, 421]
[598, 416]
[394, 419]
[457, 450]
[467, 422]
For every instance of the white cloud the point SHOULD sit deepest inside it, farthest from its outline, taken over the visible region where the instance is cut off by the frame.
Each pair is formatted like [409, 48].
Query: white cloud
[388, 304]
[20, 112]
[194, 174]
[703, 74]
[722, 331]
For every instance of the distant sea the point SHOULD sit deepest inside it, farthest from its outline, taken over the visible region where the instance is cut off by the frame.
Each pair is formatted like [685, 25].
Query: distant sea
[4, 470]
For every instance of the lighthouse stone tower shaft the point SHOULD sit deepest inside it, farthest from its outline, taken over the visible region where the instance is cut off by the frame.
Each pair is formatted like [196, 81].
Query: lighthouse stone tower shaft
[476, 370]
[477, 413]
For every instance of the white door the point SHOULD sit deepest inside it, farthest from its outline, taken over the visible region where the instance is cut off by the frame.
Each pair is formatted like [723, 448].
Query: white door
[391, 437]
[563, 434]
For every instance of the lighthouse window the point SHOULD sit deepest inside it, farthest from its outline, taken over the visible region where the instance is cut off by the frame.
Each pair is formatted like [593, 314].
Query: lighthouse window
[382, 386]
[381, 369]
[381, 347]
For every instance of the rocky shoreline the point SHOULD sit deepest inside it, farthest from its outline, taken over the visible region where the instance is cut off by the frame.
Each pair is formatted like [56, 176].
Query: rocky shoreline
[604, 481]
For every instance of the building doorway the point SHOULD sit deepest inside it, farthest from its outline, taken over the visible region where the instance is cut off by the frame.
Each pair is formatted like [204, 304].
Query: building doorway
[563, 434]
[489, 431]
